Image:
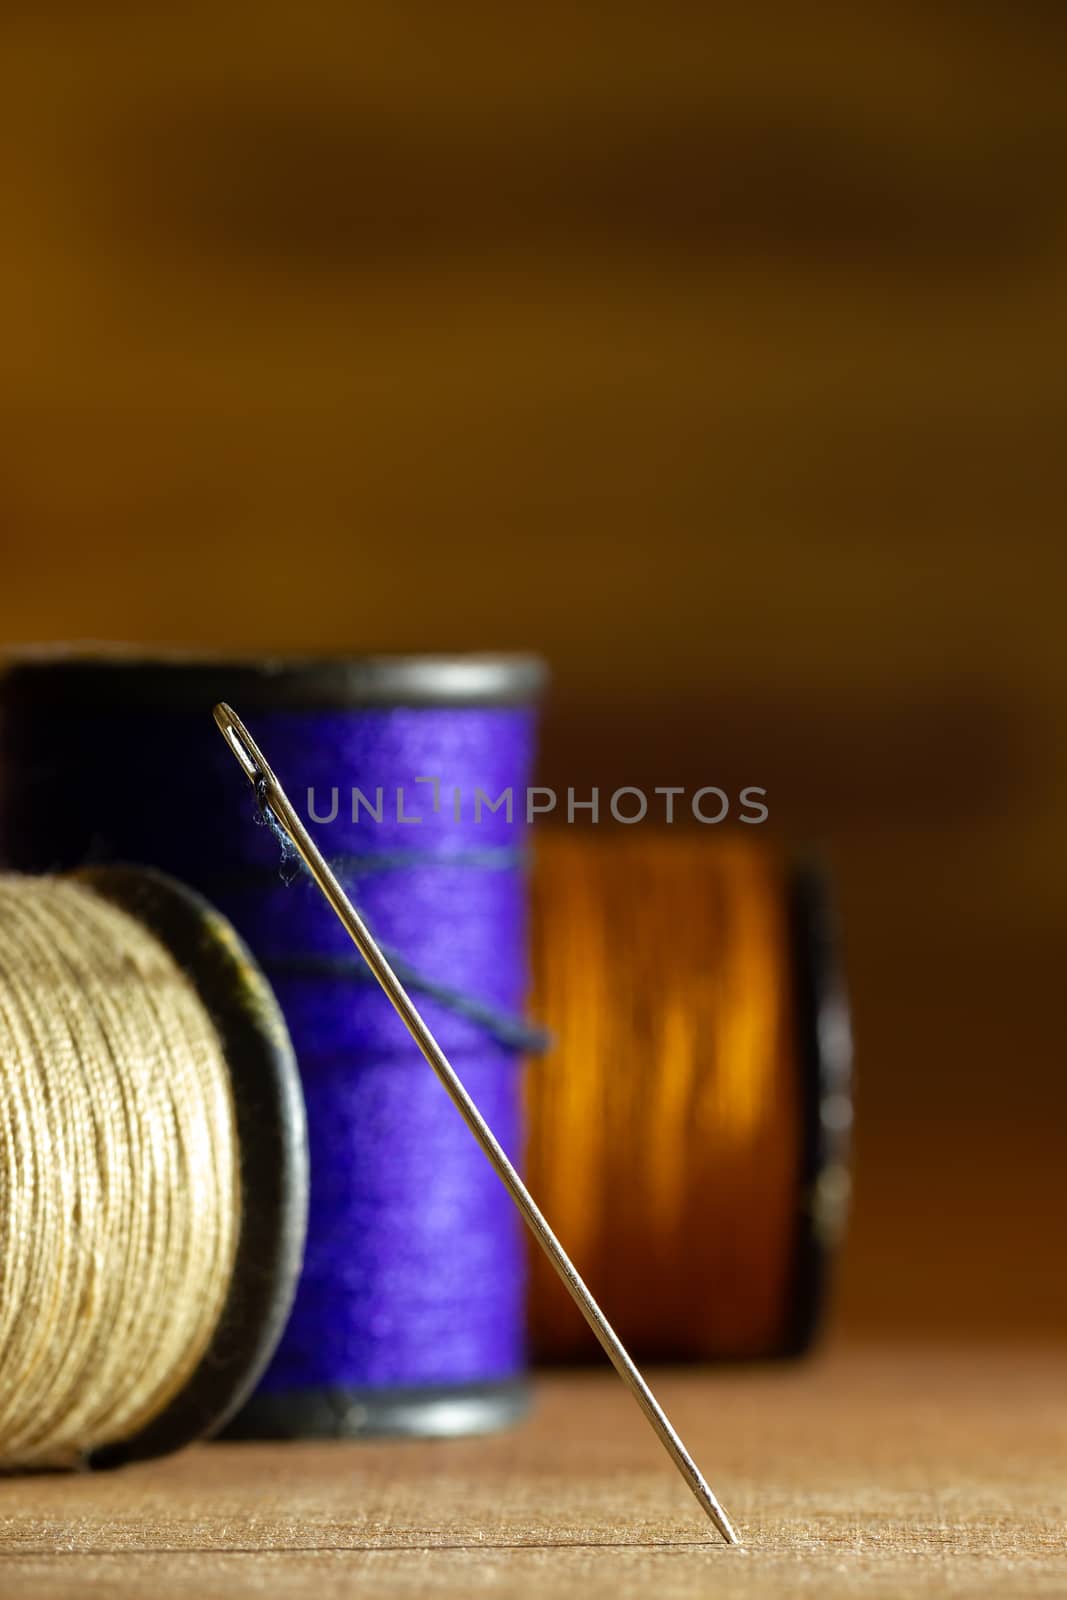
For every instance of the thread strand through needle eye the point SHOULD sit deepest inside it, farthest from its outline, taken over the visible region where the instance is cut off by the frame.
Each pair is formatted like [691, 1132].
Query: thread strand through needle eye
[509, 1030]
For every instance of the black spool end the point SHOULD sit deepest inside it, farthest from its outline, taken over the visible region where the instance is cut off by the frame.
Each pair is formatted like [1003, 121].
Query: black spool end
[825, 1069]
[444, 1412]
[88, 676]
[269, 1111]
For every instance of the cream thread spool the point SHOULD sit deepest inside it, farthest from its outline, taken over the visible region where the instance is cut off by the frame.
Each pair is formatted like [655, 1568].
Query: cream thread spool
[153, 1169]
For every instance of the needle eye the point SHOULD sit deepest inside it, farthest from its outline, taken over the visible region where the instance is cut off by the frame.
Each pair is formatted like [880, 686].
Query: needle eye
[241, 743]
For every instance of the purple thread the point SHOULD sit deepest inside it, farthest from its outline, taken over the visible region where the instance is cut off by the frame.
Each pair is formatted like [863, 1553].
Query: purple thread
[414, 1273]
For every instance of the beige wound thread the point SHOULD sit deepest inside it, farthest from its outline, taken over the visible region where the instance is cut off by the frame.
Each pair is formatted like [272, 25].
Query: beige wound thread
[119, 1174]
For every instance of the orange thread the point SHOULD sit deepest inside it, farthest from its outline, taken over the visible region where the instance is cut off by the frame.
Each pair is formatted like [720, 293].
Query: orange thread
[665, 1126]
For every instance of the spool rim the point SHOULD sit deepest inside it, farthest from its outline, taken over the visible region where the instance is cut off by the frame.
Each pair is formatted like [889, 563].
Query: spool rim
[440, 1411]
[91, 674]
[825, 1072]
[272, 1140]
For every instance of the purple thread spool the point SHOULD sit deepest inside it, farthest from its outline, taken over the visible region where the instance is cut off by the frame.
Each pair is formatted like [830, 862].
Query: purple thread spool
[409, 1316]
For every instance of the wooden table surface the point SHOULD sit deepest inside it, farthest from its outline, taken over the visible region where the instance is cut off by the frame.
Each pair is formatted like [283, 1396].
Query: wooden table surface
[874, 1471]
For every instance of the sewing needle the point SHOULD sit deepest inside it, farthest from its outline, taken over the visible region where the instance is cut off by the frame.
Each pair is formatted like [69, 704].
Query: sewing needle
[270, 793]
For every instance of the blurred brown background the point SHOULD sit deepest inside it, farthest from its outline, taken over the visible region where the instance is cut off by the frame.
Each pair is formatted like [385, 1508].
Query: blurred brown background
[716, 352]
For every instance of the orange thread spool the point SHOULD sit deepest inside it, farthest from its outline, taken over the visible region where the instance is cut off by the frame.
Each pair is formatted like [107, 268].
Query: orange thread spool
[686, 1132]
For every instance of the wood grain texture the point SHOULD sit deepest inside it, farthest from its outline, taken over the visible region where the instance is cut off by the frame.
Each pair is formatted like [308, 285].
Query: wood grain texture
[877, 1472]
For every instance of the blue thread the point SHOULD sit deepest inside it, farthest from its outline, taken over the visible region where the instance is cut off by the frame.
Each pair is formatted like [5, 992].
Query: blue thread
[291, 862]
[512, 1031]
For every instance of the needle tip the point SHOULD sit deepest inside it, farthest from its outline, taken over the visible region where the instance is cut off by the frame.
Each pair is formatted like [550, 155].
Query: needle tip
[726, 1527]
[713, 1509]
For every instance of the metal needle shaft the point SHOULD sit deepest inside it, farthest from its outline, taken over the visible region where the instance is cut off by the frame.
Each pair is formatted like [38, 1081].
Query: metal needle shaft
[270, 792]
